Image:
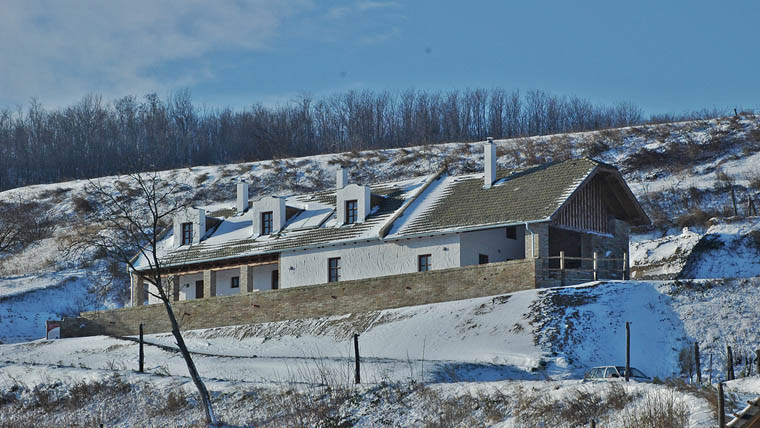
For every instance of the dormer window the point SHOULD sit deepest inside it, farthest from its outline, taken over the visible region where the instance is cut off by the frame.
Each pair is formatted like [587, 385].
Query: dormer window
[352, 208]
[266, 223]
[187, 233]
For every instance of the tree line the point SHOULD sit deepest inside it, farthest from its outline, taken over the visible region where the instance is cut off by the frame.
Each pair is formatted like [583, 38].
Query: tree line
[92, 138]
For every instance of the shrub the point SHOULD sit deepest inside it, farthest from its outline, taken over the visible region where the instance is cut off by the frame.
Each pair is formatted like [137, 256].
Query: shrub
[201, 179]
[82, 205]
[657, 410]
[694, 217]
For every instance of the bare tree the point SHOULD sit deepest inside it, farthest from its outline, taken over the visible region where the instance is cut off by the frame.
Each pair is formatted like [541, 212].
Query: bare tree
[131, 219]
[22, 223]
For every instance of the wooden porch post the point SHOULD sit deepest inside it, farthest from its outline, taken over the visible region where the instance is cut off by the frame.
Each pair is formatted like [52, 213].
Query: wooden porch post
[562, 267]
[596, 267]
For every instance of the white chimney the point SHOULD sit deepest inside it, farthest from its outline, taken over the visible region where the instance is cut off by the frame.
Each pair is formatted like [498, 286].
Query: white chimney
[489, 175]
[341, 178]
[242, 197]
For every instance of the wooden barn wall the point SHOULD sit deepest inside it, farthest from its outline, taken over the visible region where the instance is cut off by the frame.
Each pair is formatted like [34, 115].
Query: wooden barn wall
[586, 209]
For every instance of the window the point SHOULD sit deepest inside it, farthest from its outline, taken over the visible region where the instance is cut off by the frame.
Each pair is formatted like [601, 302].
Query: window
[423, 263]
[511, 232]
[235, 282]
[333, 269]
[199, 289]
[187, 233]
[351, 211]
[266, 223]
[482, 259]
[275, 279]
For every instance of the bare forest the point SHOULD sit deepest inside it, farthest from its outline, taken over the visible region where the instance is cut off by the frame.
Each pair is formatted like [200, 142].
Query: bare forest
[94, 138]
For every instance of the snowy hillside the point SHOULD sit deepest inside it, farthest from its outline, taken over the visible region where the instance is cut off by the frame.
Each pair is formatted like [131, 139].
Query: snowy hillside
[672, 168]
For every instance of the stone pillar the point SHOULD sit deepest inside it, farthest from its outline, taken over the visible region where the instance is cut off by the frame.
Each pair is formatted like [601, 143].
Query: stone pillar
[209, 283]
[246, 279]
[539, 247]
[138, 290]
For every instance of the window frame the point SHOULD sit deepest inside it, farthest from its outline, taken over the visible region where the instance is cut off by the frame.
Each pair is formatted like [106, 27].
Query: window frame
[333, 272]
[352, 211]
[235, 282]
[187, 233]
[427, 265]
[267, 222]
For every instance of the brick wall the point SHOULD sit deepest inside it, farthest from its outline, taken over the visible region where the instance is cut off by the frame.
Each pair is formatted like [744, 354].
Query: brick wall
[313, 301]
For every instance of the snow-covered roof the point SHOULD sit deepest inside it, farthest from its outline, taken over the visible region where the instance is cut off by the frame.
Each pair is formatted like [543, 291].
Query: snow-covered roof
[425, 205]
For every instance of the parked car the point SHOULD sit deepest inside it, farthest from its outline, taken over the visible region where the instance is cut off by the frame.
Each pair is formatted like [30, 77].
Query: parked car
[608, 373]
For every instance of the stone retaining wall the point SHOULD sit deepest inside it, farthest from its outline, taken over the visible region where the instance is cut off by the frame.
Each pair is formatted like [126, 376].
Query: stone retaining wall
[313, 301]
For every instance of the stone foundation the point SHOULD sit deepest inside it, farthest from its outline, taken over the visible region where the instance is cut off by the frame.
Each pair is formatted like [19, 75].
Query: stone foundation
[313, 301]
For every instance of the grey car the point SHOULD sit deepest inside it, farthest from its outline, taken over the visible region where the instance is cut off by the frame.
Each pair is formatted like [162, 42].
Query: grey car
[608, 373]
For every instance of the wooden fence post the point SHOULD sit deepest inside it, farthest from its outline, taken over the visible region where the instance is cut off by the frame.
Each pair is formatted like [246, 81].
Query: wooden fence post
[721, 407]
[562, 267]
[596, 267]
[696, 362]
[711, 368]
[757, 360]
[729, 363]
[142, 354]
[357, 374]
[627, 351]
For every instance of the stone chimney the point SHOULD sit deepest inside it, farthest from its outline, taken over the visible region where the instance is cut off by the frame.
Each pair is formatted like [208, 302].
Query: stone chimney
[341, 178]
[489, 175]
[242, 197]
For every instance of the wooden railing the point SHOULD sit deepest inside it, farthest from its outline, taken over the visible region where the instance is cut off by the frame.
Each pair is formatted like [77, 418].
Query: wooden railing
[585, 268]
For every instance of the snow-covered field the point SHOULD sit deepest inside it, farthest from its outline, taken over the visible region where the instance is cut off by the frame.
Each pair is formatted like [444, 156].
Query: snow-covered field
[537, 339]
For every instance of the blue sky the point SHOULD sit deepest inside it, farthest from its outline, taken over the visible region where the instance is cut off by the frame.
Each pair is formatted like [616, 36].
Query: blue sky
[663, 56]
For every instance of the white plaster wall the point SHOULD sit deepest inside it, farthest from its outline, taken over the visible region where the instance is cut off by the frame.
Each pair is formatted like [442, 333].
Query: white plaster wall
[494, 243]
[362, 196]
[268, 203]
[187, 285]
[197, 216]
[224, 281]
[262, 276]
[368, 260]
[262, 280]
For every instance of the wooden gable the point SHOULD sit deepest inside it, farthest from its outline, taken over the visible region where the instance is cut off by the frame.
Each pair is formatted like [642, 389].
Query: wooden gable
[603, 194]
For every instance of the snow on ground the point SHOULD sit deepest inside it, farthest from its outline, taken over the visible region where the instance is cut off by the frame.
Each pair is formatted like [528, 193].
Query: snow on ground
[531, 342]
[728, 248]
[45, 297]
[553, 333]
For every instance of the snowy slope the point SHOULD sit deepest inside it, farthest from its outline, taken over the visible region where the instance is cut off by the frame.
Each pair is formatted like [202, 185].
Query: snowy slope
[494, 350]
[554, 333]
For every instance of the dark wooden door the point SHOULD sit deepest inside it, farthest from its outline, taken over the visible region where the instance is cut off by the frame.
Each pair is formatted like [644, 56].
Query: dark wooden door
[198, 289]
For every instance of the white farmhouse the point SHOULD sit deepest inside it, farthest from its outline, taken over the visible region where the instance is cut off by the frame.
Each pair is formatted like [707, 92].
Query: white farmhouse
[580, 209]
